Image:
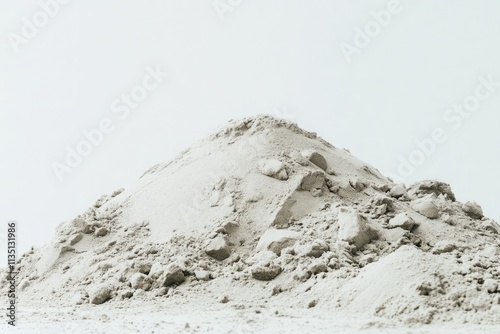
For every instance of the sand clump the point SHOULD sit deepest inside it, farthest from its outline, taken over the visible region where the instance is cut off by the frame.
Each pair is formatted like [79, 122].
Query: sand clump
[263, 210]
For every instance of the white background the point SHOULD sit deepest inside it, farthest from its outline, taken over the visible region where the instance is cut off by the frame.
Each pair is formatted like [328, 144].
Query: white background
[280, 57]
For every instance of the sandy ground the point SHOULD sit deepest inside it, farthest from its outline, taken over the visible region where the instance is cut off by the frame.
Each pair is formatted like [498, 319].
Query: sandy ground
[163, 317]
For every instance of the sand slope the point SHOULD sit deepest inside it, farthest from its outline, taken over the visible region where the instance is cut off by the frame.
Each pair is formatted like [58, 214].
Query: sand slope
[264, 214]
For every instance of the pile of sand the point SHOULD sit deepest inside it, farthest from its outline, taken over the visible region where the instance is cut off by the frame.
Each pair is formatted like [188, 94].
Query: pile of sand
[265, 211]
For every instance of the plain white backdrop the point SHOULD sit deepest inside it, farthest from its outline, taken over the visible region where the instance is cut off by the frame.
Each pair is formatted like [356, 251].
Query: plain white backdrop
[363, 79]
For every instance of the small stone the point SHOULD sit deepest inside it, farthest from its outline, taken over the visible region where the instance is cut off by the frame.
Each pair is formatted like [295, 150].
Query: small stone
[473, 210]
[80, 225]
[331, 171]
[298, 157]
[312, 303]
[218, 248]
[230, 226]
[277, 290]
[492, 226]
[161, 291]
[101, 232]
[224, 299]
[443, 246]
[316, 192]
[173, 275]
[316, 248]
[142, 266]
[276, 240]
[490, 285]
[24, 284]
[366, 259]
[204, 265]
[358, 185]
[117, 192]
[334, 263]
[432, 187]
[66, 249]
[266, 273]
[313, 180]
[139, 293]
[156, 270]
[398, 190]
[354, 229]
[381, 201]
[141, 281]
[316, 158]
[426, 208]
[76, 238]
[126, 294]
[100, 294]
[302, 275]
[380, 210]
[262, 258]
[202, 275]
[402, 220]
[233, 258]
[273, 168]
[124, 274]
[317, 267]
